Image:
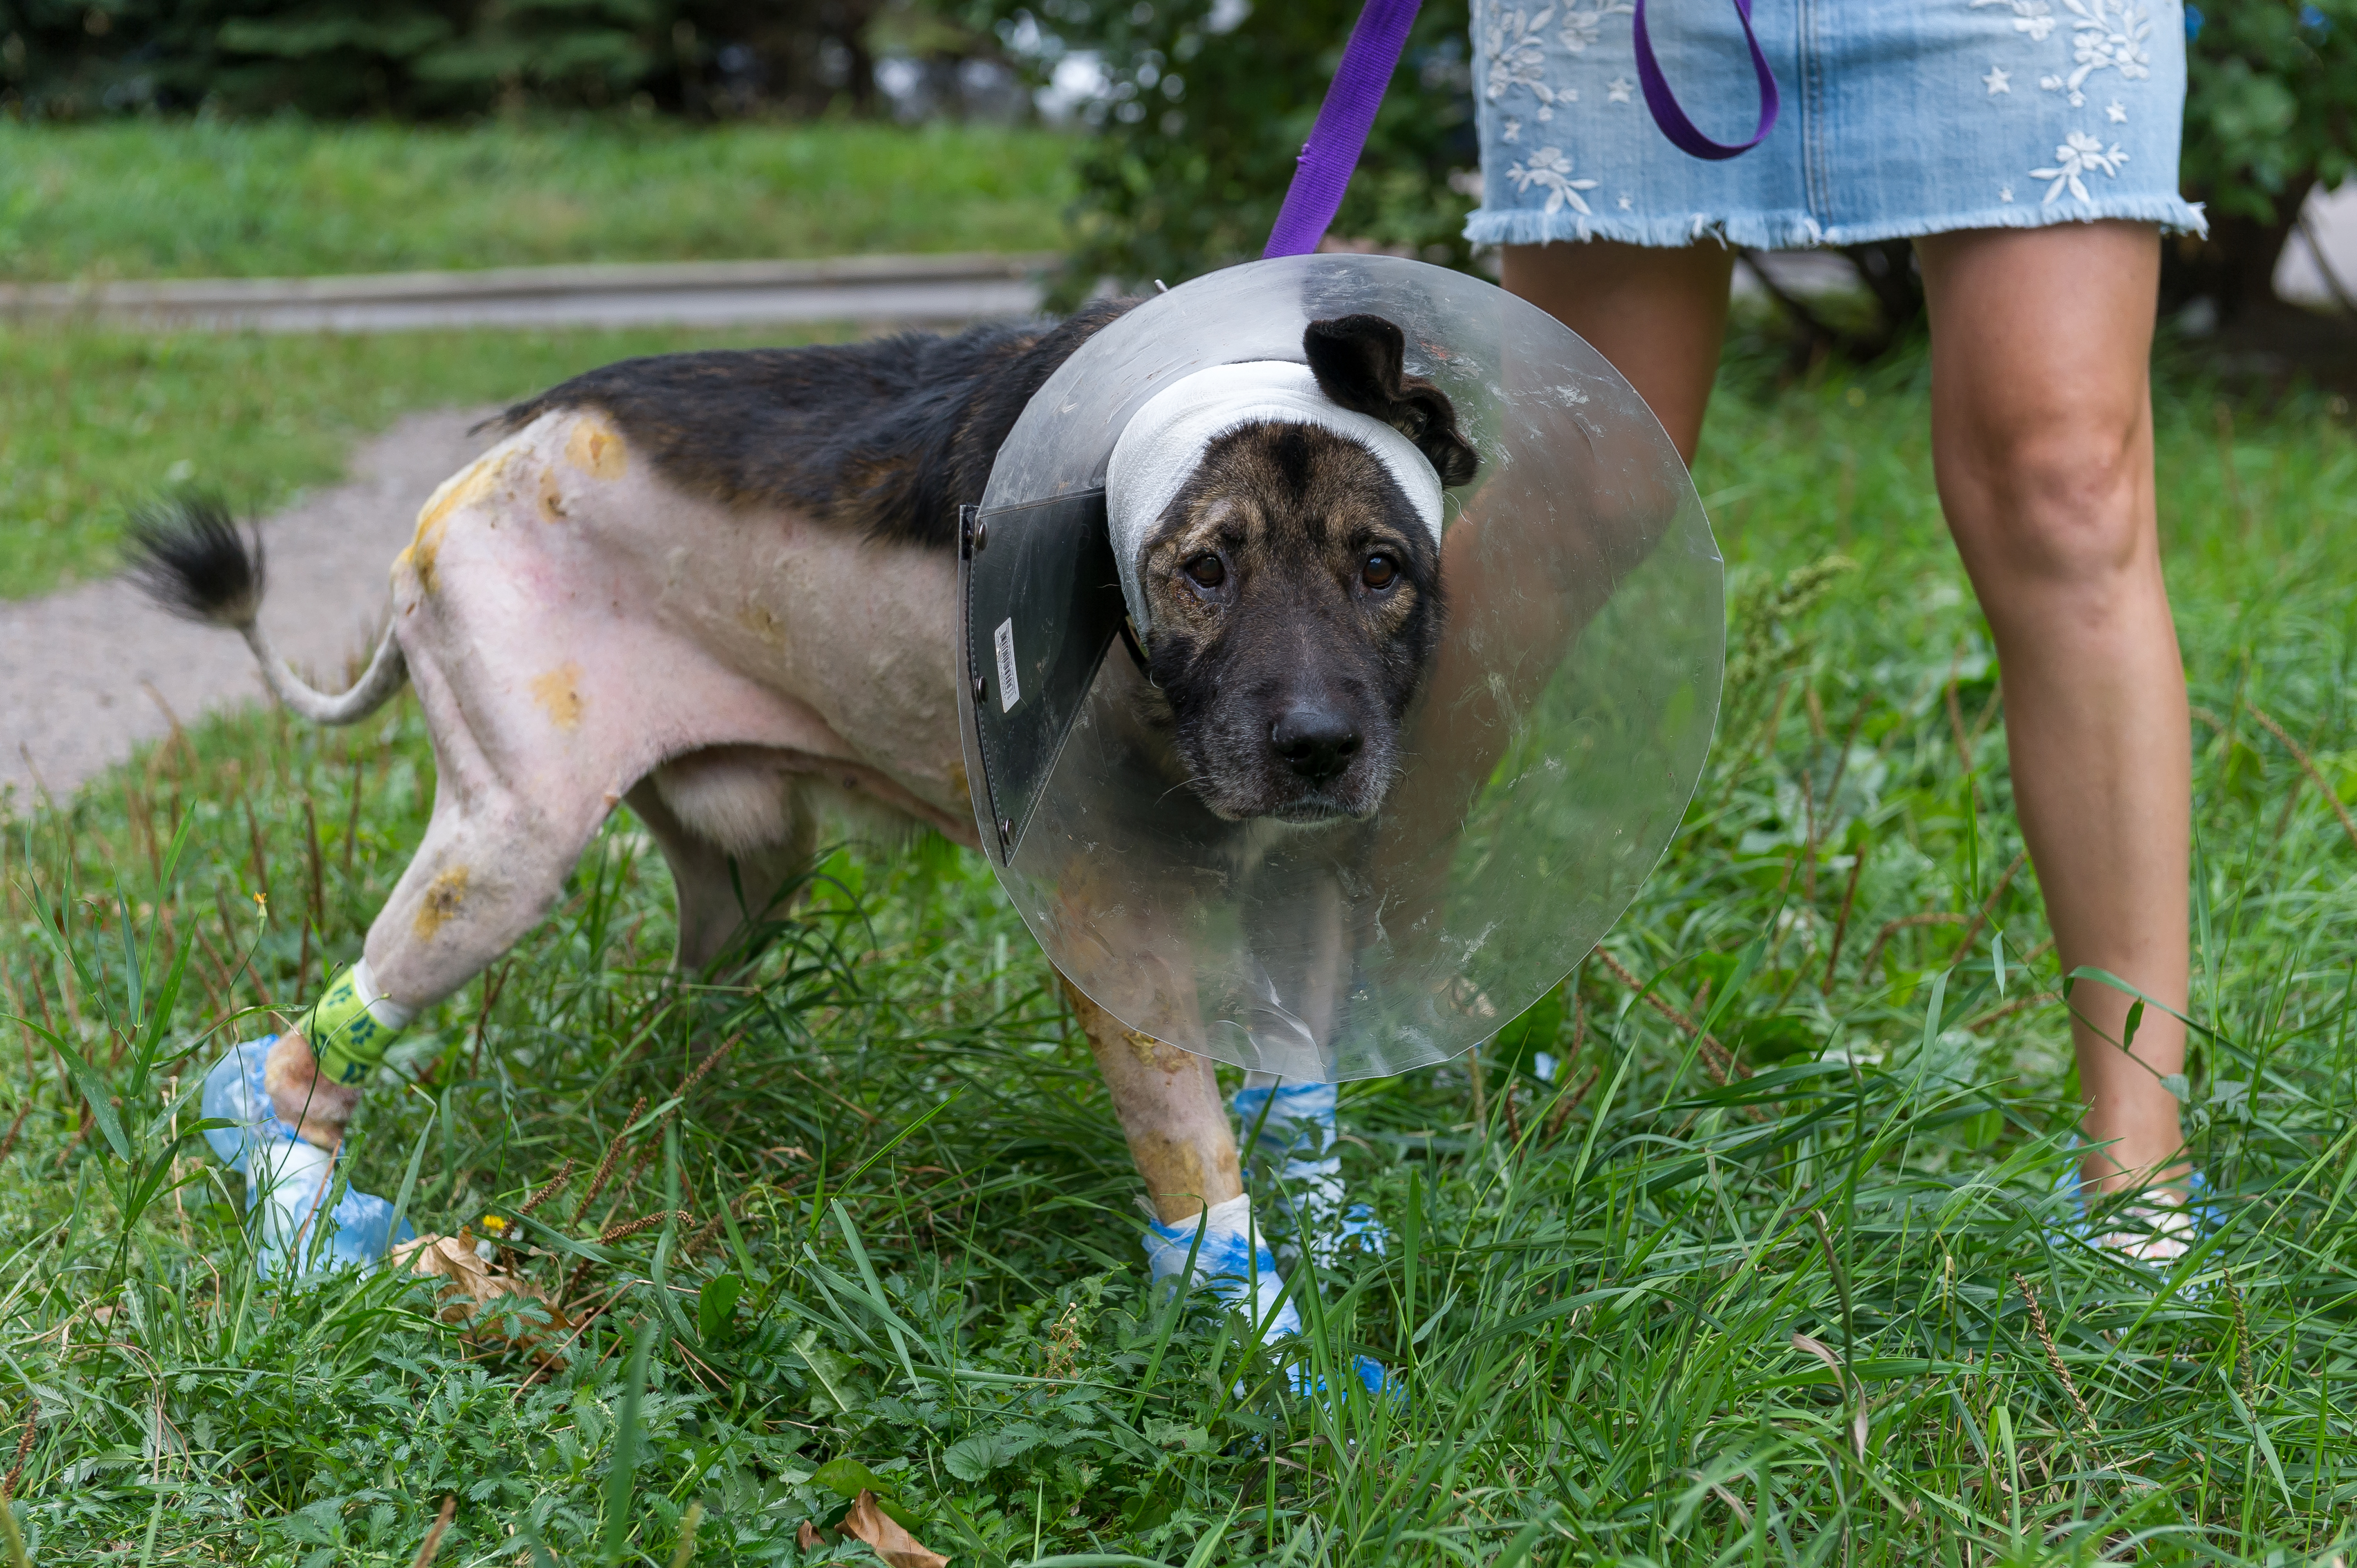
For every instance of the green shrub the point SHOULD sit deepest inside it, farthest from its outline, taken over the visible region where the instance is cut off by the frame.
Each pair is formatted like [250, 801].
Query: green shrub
[2270, 112]
[1210, 104]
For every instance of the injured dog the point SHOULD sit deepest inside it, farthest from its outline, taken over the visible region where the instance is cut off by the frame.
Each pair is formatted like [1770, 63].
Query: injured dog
[721, 587]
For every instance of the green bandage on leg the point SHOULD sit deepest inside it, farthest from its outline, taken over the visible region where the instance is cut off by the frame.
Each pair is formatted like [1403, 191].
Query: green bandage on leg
[350, 1027]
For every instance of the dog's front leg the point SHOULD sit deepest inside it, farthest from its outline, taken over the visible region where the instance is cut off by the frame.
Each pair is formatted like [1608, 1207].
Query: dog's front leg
[1168, 1103]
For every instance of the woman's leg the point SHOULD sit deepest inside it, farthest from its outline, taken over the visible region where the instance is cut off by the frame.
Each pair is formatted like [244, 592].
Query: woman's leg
[1658, 315]
[2041, 425]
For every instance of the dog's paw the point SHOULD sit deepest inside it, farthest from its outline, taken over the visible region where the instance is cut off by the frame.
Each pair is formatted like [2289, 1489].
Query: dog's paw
[1369, 1374]
[289, 1176]
[314, 1107]
[1221, 1251]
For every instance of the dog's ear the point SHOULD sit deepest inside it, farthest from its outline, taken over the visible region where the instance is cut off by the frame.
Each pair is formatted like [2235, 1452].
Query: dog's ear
[1359, 361]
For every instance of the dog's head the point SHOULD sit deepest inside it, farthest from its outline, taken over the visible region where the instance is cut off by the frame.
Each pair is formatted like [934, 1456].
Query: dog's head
[1294, 591]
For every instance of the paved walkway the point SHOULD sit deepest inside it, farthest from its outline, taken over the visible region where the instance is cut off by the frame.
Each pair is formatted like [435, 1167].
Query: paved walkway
[86, 674]
[2332, 219]
[900, 290]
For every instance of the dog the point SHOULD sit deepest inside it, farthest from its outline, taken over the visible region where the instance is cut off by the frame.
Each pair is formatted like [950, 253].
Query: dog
[720, 588]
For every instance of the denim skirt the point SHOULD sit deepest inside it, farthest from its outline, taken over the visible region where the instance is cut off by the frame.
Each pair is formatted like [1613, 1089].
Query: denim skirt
[1900, 117]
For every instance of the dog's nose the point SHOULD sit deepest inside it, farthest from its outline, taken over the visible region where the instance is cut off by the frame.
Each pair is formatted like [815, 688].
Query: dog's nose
[1315, 741]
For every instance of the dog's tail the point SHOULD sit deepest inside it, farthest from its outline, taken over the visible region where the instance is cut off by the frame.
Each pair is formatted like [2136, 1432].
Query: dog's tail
[190, 559]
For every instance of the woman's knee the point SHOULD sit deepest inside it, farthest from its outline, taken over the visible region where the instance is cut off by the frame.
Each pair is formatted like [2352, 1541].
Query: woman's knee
[2060, 494]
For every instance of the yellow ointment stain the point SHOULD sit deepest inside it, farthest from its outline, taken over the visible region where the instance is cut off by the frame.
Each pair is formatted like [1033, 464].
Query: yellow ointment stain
[469, 484]
[596, 450]
[1153, 1053]
[552, 497]
[440, 904]
[757, 619]
[559, 693]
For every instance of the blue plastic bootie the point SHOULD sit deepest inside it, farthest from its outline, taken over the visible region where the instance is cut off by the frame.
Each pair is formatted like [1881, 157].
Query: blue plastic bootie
[1234, 1262]
[1231, 1261]
[2164, 1232]
[288, 1179]
[1298, 1130]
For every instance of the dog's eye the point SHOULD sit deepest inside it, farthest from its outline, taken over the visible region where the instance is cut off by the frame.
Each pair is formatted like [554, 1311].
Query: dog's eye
[1379, 570]
[1207, 570]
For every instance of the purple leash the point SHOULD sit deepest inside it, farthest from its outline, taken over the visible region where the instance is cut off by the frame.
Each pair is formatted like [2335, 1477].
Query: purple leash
[1339, 135]
[1341, 132]
[1672, 119]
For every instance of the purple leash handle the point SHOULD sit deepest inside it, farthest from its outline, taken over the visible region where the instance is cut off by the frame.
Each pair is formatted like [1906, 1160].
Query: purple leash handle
[1331, 154]
[1339, 135]
[1681, 131]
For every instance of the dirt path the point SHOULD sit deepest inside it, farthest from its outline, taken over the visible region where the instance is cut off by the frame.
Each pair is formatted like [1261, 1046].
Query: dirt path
[88, 675]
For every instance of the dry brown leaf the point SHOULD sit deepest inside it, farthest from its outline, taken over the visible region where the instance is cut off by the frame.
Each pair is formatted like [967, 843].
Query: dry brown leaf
[894, 1545]
[807, 1537]
[475, 1285]
[1825, 1353]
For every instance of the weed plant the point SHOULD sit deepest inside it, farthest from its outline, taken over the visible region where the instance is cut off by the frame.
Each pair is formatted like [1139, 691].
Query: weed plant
[1831, 1310]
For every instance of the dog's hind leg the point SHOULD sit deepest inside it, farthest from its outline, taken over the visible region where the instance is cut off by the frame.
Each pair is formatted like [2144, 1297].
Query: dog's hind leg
[490, 868]
[718, 894]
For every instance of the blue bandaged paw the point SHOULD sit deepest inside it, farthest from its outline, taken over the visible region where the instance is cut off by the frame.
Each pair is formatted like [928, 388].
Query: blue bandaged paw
[287, 1179]
[1230, 1261]
[1365, 1371]
[1296, 1127]
[1233, 1263]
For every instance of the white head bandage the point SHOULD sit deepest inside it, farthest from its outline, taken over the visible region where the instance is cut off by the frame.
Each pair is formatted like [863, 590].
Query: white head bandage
[1165, 441]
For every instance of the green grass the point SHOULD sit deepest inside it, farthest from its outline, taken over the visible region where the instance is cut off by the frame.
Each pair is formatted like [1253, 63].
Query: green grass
[200, 199]
[93, 422]
[931, 1267]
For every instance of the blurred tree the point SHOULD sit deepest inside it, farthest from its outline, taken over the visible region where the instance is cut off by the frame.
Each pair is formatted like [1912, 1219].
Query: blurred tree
[2270, 112]
[1205, 107]
[70, 58]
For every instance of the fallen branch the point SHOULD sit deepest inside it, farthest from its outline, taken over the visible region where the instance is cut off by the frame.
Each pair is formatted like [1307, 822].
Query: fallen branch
[2306, 766]
[1987, 906]
[1716, 1058]
[1904, 923]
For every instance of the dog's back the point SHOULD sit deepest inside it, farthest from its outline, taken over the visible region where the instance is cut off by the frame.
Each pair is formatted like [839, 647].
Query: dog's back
[887, 437]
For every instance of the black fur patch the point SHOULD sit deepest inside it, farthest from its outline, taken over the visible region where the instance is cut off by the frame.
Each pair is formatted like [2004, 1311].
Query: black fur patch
[889, 436]
[188, 555]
